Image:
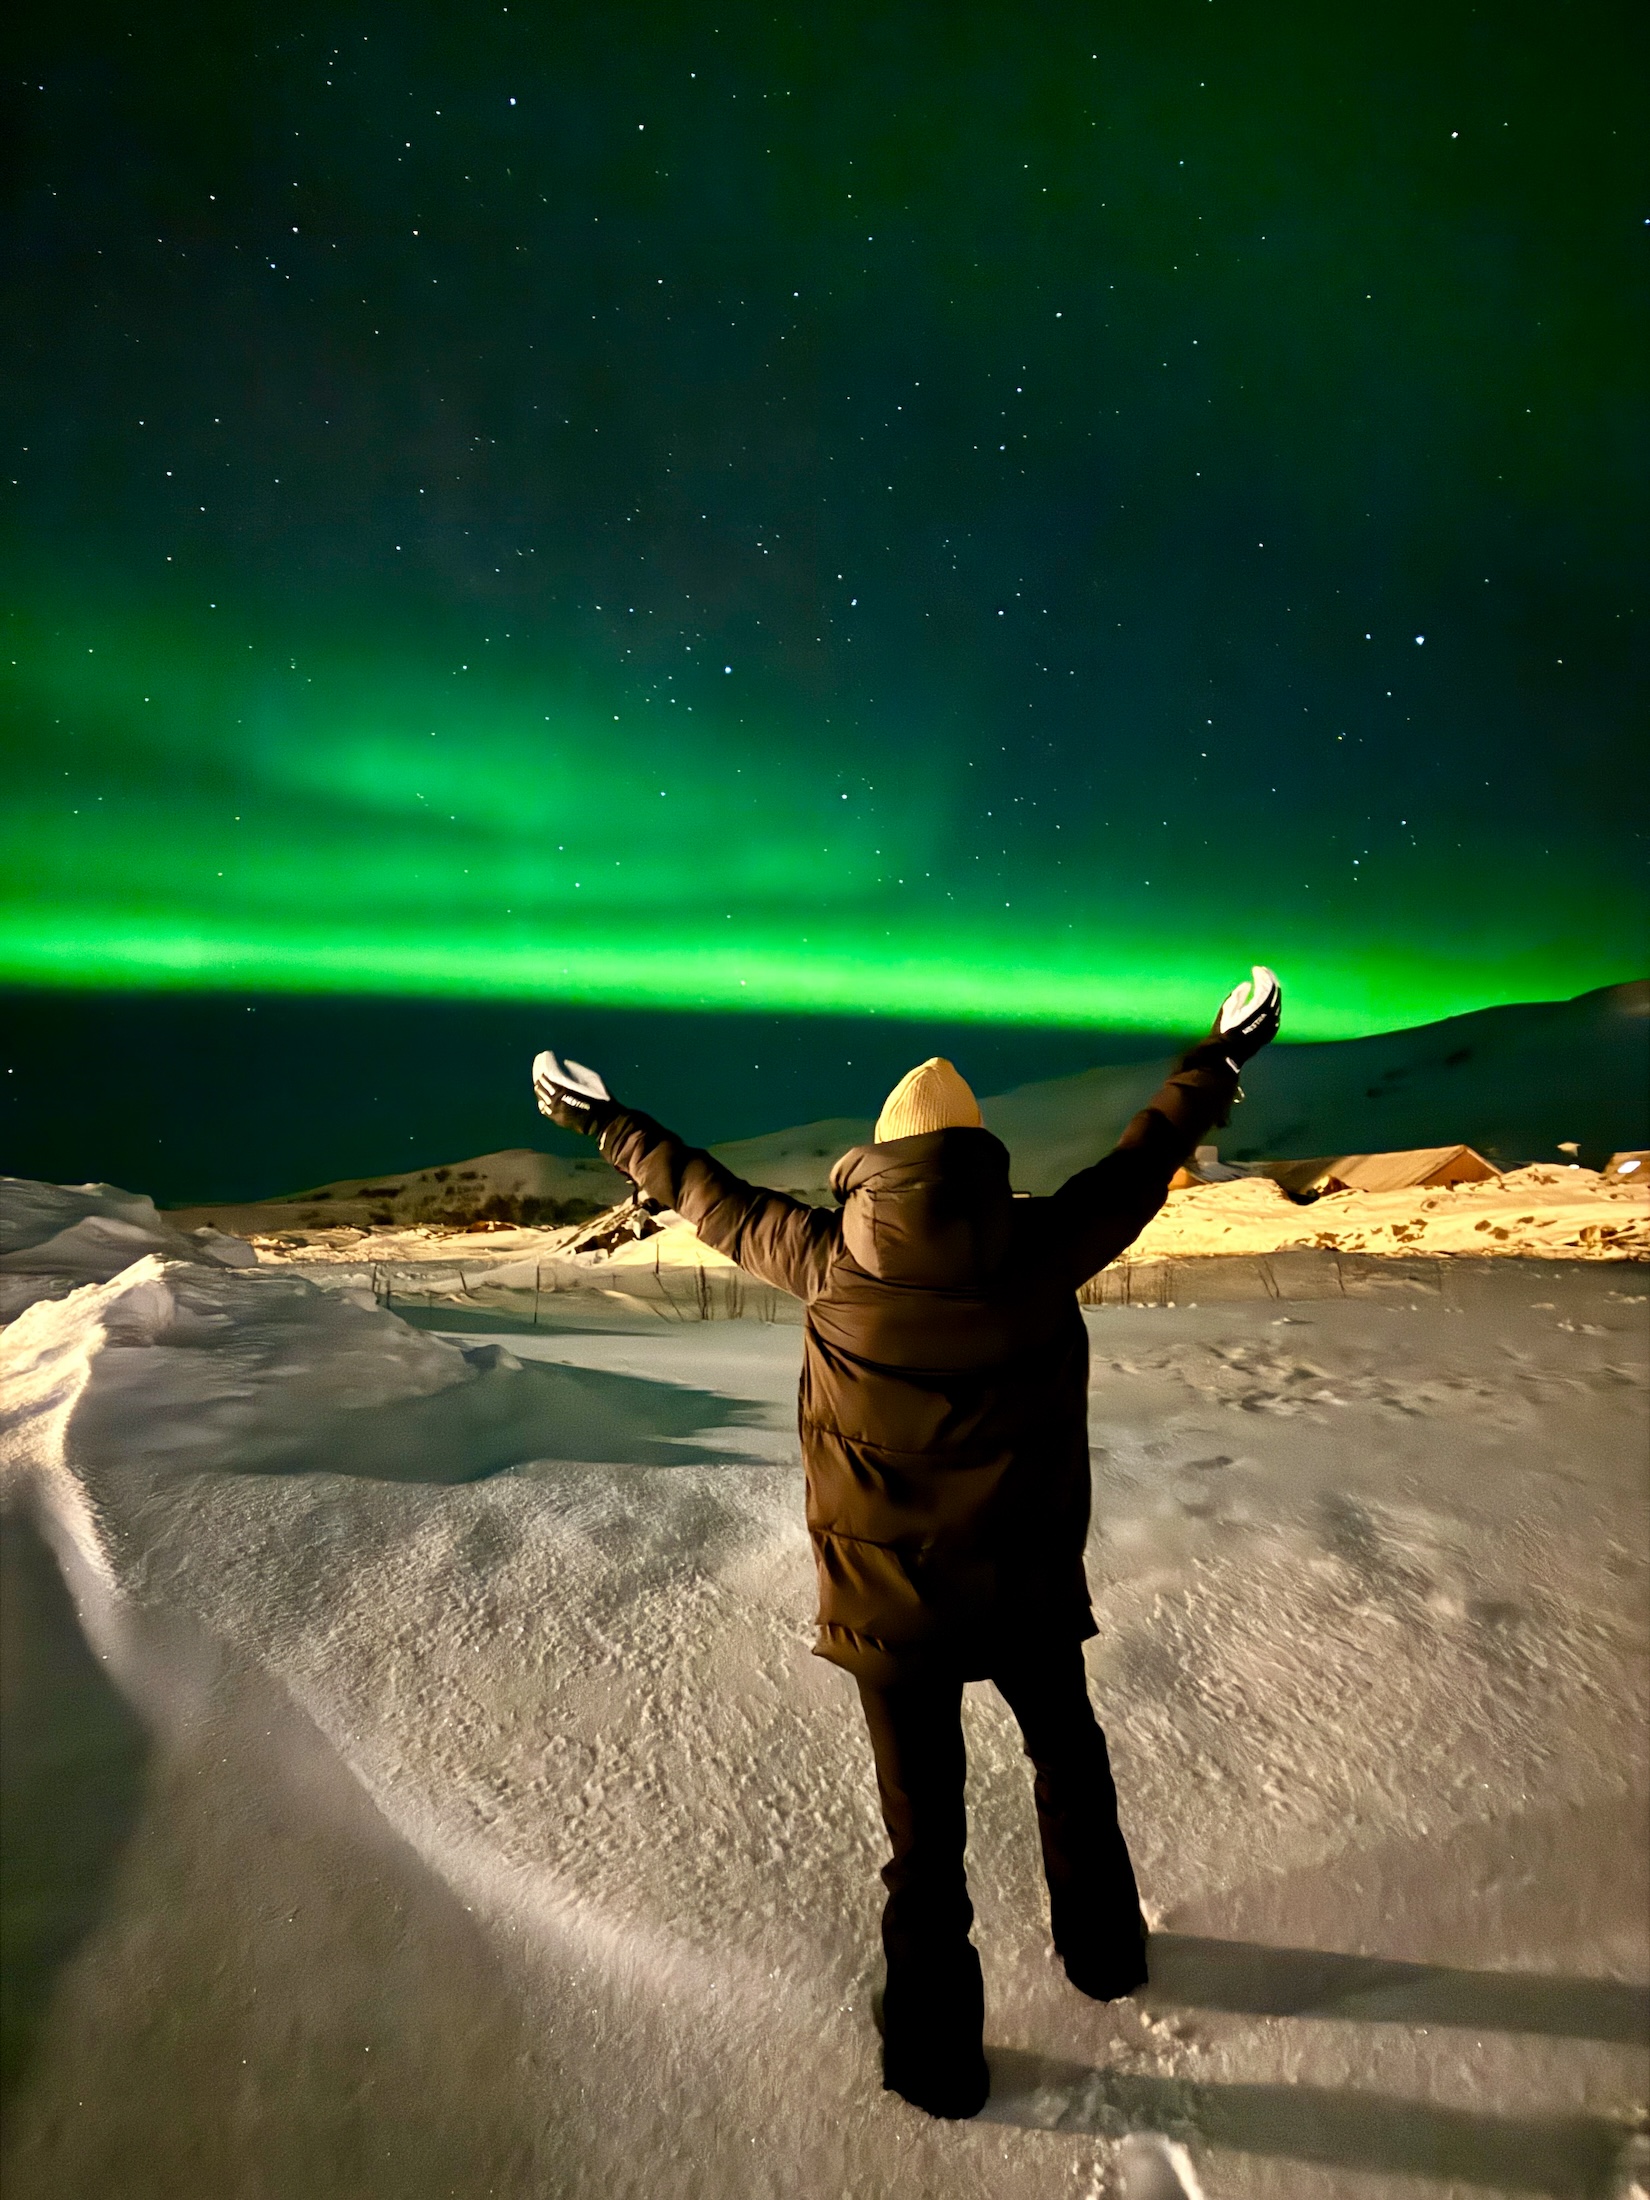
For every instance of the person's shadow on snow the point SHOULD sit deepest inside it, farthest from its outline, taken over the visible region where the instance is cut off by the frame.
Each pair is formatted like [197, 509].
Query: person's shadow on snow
[511, 1416]
[498, 1416]
[1557, 2155]
[1260, 1981]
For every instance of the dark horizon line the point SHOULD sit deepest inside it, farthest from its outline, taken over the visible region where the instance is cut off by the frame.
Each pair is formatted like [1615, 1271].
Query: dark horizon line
[459, 1004]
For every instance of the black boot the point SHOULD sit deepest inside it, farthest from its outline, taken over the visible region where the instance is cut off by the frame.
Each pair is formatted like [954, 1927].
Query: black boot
[932, 2030]
[1109, 1967]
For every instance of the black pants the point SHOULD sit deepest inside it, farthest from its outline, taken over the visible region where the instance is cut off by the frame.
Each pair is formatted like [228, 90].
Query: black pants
[1094, 1906]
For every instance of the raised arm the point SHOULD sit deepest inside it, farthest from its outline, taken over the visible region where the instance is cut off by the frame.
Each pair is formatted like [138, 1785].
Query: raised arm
[1103, 1209]
[778, 1239]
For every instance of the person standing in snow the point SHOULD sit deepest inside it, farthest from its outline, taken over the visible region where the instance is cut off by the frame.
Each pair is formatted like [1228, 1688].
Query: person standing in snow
[944, 1425]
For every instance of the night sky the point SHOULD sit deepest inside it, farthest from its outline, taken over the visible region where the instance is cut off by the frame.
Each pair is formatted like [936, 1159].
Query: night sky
[974, 513]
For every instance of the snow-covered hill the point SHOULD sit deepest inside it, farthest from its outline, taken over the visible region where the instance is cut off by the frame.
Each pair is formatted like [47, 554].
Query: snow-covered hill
[1512, 1082]
[517, 1184]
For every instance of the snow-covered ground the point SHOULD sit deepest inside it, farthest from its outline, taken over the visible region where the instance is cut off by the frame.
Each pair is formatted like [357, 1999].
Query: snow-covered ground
[391, 1832]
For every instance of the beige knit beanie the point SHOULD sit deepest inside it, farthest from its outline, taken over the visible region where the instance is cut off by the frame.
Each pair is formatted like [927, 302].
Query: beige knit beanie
[931, 1097]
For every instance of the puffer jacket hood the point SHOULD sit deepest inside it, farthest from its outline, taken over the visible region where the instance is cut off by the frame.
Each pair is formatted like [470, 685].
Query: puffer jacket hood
[934, 1210]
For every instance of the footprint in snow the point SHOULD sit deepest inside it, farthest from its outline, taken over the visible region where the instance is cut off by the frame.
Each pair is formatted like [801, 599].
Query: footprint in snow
[1156, 2168]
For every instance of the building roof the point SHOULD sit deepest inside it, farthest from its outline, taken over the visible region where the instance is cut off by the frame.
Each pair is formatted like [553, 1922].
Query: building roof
[1381, 1172]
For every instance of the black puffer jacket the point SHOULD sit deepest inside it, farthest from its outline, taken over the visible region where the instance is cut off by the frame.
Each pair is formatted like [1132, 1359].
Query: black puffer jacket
[944, 1401]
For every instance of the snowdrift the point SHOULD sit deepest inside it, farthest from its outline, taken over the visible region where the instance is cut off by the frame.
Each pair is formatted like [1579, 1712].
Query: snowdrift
[179, 1365]
[55, 1237]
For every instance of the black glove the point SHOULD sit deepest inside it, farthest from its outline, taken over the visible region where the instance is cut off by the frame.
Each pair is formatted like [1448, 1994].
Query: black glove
[1249, 1017]
[574, 1098]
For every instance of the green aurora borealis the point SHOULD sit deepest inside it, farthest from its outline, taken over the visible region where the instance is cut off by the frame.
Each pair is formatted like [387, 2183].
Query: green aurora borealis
[947, 513]
[363, 827]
